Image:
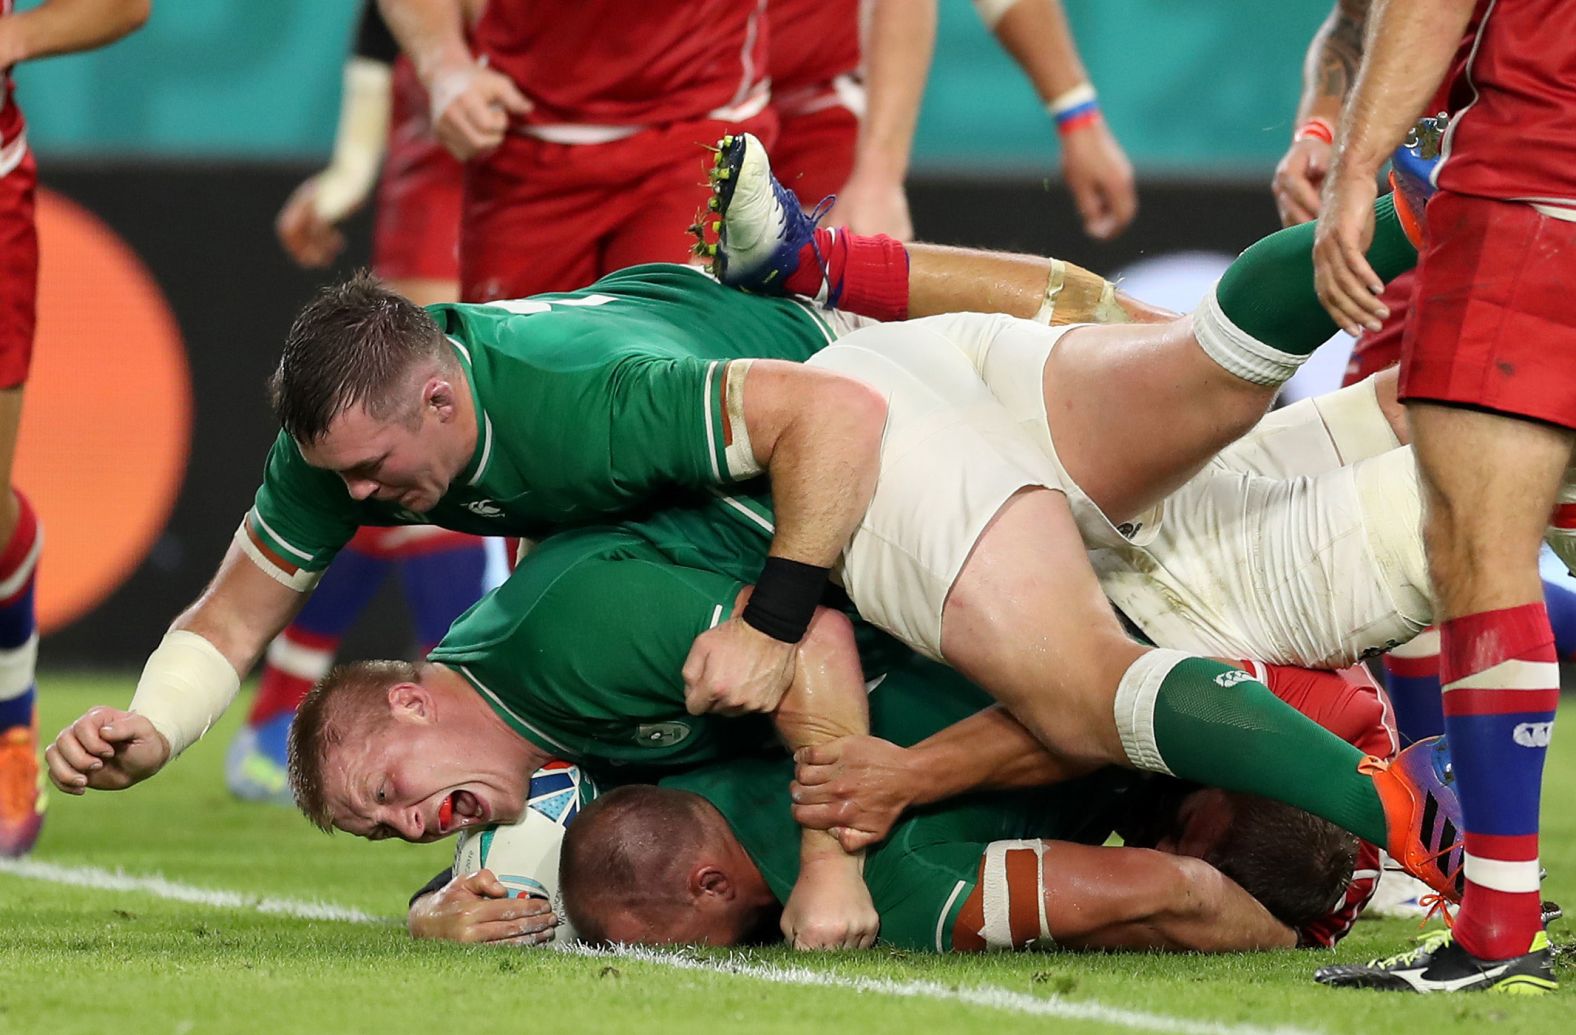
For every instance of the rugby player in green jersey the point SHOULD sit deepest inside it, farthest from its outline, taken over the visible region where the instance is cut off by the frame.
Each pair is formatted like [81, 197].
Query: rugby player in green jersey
[1025, 618]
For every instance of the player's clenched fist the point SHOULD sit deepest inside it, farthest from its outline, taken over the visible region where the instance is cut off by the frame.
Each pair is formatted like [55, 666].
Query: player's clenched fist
[735, 669]
[108, 750]
[475, 908]
[830, 907]
[471, 108]
[855, 788]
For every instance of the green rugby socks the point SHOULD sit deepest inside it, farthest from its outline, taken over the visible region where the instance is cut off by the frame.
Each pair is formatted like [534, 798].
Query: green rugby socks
[1205, 721]
[1263, 319]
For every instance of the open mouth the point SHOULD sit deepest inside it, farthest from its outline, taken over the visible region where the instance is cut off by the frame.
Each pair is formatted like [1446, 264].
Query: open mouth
[460, 809]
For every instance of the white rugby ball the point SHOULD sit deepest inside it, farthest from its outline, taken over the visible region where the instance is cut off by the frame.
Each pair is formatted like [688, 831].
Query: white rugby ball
[524, 855]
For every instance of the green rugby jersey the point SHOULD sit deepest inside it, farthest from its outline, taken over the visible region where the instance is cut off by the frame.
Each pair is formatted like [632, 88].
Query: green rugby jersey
[581, 650]
[921, 875]
[589, 404]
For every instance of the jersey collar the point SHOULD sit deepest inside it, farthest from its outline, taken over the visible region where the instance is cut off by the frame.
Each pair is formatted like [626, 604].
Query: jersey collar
[482, 456]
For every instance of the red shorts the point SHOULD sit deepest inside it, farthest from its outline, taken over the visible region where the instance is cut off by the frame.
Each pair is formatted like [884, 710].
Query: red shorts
[1494, 325]
[815, 151]
[554, 217]
[416, 233]
[1376, 350]
[18, 271]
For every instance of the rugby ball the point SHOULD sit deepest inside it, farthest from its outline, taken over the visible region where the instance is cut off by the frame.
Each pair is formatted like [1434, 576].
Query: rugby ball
[524, 855]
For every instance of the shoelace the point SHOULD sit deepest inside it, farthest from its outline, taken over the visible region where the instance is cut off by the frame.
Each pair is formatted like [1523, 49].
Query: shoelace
[822, 207]
[1426, 943]
[1434, 902]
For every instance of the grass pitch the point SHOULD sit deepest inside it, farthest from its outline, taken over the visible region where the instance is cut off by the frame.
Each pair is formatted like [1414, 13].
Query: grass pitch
[226, 944]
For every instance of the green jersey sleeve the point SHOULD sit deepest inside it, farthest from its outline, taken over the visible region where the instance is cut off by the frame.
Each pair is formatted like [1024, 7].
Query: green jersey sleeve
[678, 419]
[581, 652]
[302, 516]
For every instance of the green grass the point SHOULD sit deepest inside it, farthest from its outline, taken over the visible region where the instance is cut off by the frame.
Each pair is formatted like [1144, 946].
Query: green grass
[76, 959]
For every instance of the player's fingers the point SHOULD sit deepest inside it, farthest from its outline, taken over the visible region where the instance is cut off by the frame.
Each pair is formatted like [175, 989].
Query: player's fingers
[855, 840]
[485, 884]
[819, 754]
[125, 728]
[1123, 202]
[1299, 198]
[62, 775]
[88, 733]
[511, 98]
[75, 755]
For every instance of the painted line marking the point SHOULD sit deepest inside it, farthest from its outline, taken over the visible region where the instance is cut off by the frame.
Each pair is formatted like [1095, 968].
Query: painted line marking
[985, 996]
[119, 880]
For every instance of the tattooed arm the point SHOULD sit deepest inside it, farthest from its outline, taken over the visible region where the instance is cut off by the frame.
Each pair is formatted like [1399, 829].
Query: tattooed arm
[1327, 75]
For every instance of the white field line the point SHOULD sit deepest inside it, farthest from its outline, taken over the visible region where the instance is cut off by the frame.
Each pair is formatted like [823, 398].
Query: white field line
[982, 996]
[986, 996]
[118, 880]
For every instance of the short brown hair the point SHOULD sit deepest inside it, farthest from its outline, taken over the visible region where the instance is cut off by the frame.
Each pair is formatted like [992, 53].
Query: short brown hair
[350, 345]
[1296, 864]
[629, 851]
[348, 699]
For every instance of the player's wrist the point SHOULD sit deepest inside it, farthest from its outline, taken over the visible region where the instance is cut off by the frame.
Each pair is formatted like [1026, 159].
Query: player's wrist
[785, 598]
[1075, 109]
[1315, 127]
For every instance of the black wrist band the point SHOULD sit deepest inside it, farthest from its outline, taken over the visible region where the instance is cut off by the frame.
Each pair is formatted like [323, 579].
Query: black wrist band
[785, 598]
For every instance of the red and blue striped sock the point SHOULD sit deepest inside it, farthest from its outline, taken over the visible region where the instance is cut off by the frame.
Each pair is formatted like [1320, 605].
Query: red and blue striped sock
[18, 624]
[1411, 675]
[1501, 688]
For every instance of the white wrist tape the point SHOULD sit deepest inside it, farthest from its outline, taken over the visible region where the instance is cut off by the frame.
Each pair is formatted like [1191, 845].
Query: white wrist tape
[185, 686]
[364, 113]
[991, 11]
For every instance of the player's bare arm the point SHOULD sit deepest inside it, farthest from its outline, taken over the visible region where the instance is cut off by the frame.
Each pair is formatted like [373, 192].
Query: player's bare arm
[899, 40]
[859, 787]
[67, 26]
[1097, 172]
[471, 103]
[830, 907]
[818, 435]
[1409, 47]
[187, 684]
[1136, 898]
[1327, 74]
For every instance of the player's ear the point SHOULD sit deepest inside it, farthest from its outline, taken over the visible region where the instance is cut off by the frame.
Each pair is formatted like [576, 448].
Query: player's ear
[410, 702]
[438, 394]
[709, 882]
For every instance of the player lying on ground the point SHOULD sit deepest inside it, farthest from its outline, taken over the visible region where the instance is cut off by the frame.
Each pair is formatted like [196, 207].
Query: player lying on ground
[929, 866]
[1031, 536]
[707, 856]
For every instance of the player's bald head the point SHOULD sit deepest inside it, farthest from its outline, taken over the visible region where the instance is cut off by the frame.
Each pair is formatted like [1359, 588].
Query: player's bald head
[628, 863]
[355, 343]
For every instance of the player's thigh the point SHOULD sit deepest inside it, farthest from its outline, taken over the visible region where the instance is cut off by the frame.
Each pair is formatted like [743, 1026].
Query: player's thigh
[1135, 410]
[1312, 571]
[1491, 482]
[1026, 620]
[529, 223]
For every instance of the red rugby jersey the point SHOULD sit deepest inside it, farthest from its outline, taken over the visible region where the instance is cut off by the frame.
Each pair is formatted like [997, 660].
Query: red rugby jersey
[1514, 133]
[812, 42]
[630, 62]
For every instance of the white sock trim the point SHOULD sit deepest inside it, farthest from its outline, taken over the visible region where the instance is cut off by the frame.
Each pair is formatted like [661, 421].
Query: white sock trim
[16, 668]
[1237, 351]
[1135, 707]
[1498, 875]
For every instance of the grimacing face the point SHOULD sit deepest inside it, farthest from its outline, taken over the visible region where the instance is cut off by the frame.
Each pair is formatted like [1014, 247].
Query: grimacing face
[409, 463]
[418, 782]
